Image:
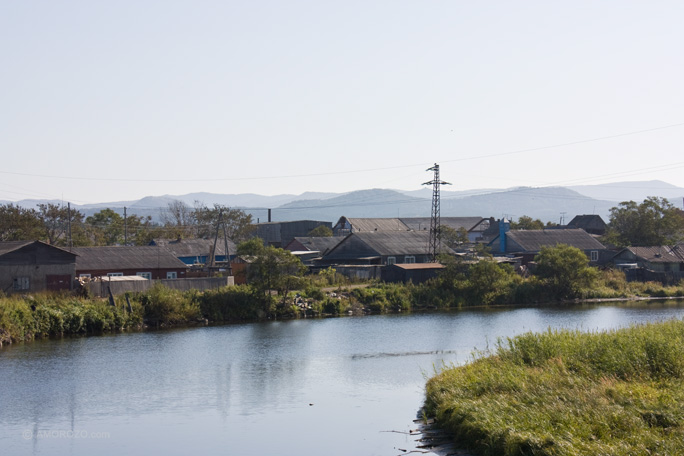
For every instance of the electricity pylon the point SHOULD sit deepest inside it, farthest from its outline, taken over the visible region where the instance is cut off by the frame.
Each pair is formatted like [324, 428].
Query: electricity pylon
[434, 245]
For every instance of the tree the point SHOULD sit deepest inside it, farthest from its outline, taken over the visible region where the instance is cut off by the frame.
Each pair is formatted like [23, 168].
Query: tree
[452, 237]
[565, 270]
[527, 223]
[178, 219]
[321, 231]
[490, 282]
[107, 227]
[654, 222]
[271, 268]
[19, 224]
[238, 223]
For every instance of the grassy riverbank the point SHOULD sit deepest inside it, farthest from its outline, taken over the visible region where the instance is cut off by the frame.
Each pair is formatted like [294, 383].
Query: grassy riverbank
[569, 393]
[486, 284]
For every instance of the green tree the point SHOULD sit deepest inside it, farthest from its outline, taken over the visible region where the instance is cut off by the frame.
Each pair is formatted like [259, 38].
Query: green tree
[19, 224]
[527, 223]
[565, 271]
[321, 231]
[653, 222]
[56, 224]
[107, 227]
[452, 237]
[271, 268]
[204, 219]
[491, 283]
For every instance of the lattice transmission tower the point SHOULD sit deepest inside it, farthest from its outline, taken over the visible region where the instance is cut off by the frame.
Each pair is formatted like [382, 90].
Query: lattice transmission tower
[434, 244]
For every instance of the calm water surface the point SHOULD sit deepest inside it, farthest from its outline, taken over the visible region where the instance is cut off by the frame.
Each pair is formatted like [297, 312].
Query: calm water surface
[343, 386]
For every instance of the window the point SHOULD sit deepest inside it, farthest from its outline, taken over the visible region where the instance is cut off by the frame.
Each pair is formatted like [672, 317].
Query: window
[409, 259]
[594, 255]
[391, 260]
[147, 275]
[84, 276]
[21, 283]
[171, 275]
[115, 274]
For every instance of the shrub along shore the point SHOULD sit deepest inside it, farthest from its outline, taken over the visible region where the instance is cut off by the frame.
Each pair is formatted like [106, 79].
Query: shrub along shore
[484, 284]
[561, 393]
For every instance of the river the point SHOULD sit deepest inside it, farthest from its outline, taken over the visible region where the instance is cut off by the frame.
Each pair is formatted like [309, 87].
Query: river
[340, 386]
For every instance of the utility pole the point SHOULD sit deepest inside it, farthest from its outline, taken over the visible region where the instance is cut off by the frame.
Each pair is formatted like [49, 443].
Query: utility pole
[435, 229]
[71, 243]
[125, 228]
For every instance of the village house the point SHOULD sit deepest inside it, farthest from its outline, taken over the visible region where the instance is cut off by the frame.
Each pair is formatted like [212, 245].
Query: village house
[661, 263]
[280, 234]
[33, 266]
[150, 262]
[194, 252]
[310, 249]
[526, 244]
[476, 227]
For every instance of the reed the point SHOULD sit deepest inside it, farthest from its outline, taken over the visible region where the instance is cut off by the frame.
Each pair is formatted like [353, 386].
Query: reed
[569, 393]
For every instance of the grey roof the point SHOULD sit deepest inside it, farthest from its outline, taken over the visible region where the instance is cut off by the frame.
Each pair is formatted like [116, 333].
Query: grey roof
[126, 257]
[659, 254]
[388, 243]
[10, 246]
[423, 223]
[319, 244]
[377, 224]
[534, 240]
[195, 247]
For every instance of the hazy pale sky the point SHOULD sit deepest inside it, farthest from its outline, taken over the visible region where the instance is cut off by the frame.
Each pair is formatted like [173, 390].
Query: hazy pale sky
[116, 100]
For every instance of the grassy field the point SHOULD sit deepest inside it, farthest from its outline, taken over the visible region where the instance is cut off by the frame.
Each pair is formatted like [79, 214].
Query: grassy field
[569, 393]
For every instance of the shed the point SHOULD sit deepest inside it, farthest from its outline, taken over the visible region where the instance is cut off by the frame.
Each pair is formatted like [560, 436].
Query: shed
[31, 266]
[416, 273]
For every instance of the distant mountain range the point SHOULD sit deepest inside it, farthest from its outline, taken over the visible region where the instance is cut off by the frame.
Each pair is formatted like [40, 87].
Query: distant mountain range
[553, 204]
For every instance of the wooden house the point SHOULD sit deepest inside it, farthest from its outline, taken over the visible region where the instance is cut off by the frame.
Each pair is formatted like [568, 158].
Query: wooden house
[279, 234]
[197, 251]
[381, 248]
[474, 226]
[526, 244]
[151, 262]
[31, 266]
[657, 259]
[592, 224]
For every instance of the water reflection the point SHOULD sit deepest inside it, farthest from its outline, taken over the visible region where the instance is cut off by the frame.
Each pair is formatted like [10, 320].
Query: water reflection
[300, 387]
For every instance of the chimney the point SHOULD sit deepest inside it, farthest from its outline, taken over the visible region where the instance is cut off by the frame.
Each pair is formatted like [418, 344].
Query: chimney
[504, 226]
[269, 216]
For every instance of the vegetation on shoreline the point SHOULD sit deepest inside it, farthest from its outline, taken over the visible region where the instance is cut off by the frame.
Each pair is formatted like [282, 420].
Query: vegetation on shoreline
[569, 393]
[278, 290]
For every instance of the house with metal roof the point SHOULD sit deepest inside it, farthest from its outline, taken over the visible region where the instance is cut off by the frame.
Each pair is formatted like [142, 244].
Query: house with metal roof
[279, 234]
[197, 251]
[592, 224]
[381, 248]
[310, 249]
[475, 226]
[656, 258]
[32, 266]
[526, 244]
[151, 262]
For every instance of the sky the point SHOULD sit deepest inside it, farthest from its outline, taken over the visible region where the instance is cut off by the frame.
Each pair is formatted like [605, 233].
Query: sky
[114, 101]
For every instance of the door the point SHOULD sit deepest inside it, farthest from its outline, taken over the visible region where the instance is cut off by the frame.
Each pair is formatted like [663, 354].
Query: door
[58, 282]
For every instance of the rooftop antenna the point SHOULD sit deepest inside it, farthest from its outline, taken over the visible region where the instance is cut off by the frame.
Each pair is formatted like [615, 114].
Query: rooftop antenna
[435, 235]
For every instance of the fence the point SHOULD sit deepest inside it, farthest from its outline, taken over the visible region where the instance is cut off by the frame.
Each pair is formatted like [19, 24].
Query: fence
[121, 286]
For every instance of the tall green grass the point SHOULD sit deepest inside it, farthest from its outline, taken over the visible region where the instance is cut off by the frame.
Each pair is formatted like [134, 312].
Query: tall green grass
[569, 393]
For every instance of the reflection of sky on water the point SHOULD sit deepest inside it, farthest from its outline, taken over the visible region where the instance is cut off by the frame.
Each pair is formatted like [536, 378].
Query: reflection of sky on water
[298, 387]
